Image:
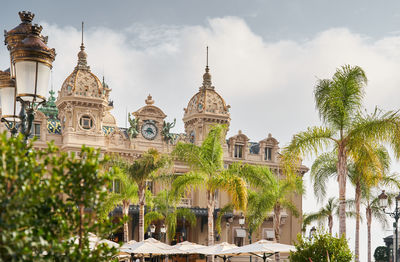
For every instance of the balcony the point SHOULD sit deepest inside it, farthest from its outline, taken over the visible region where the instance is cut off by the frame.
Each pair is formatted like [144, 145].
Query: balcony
[185, 202]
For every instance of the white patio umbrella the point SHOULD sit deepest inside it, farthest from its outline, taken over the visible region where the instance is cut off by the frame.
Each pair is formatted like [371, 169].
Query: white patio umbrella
[94, 241]
[215, 250]
[263, 247]
[150, 246]
[187, 246]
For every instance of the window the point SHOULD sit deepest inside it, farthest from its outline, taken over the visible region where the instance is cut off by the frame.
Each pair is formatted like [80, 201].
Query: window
[86, 122]
[268, 153]
[116, 186]
[269, 234]
[240, 235]
[238, 151]
[35, 130]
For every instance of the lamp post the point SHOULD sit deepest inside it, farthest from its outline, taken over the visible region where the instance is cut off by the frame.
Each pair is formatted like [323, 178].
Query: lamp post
[242, 220]
[24, 87]
[383, 203]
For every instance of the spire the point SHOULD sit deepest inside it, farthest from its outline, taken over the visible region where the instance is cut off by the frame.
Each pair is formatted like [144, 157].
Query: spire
[82, 56]
[207, 76]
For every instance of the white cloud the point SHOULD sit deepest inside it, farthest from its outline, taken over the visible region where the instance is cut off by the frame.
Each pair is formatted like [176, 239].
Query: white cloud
[268, 84]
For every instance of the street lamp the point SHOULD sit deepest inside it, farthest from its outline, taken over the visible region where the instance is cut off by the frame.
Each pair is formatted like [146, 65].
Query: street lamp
[163, 230]
[242, 220]
[152, 229]
[383, 202]
[31, 63]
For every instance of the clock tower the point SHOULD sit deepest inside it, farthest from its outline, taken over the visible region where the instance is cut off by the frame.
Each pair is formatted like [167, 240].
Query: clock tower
[205, 109]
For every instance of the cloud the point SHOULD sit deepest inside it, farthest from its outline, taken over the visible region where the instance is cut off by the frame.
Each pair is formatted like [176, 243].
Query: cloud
[269, 85]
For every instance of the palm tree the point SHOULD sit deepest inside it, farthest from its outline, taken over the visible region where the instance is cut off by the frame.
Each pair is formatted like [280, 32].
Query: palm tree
[146, 168]
[124, 194]
[364, 170]
[339, 102]
[373, 210]
[279, 193]
[326, 212]
[207, 171]
[165, 208]
[371, 202]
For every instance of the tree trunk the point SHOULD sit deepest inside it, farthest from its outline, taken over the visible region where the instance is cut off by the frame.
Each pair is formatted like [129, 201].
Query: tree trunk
[368, 214]
[358, 204]
[277, 227]
[125, 212]
[330, 224]
[142, 201]
[342, 176]
[210, 210]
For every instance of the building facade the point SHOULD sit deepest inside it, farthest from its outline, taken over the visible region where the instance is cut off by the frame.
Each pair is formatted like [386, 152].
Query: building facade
[81, 115]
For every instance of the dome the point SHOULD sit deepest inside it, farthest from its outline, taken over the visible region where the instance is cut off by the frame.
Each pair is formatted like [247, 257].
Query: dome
[82, 82]
[207, 100]
[109, 119]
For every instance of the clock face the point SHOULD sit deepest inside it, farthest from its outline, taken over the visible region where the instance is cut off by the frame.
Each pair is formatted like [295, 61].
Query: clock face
[149, 131]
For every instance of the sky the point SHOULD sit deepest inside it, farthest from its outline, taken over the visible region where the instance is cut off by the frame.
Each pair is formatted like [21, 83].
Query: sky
[265, 58]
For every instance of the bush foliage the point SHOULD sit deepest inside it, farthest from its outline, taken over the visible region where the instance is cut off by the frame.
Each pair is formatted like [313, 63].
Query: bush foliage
[320, 247]
[42, 196]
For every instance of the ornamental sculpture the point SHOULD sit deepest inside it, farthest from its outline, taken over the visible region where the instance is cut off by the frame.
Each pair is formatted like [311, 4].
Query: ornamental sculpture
[133, 130]
[168, 137]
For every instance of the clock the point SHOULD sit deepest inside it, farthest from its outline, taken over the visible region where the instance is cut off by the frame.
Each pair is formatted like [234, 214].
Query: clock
[149, 130]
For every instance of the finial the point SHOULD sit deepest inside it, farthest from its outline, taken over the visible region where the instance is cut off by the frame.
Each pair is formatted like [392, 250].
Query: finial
[207, 58]
[207, 77]
[82, 56]
[82, 34]
[26, 17]
[149, 100]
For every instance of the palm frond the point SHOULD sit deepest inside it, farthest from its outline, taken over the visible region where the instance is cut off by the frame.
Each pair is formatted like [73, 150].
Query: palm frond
[234, 185]
[380, 127]
[305, 144]
[227, 208]
[187, 214]
[151, 217]
[211, 148]
[188, 180]
[339, 99]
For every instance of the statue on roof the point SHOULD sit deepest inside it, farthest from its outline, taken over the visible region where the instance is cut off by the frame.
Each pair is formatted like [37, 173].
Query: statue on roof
[133, 130]
[168, 137]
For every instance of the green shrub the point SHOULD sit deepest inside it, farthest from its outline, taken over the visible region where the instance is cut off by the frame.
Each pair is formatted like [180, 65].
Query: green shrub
[318, 249]
[42, 195]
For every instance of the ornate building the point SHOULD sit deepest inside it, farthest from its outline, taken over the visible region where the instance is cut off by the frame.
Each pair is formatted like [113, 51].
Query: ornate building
[81, 115]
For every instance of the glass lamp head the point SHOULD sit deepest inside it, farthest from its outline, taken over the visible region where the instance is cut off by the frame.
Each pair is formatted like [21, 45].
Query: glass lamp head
[383, 200]
[152, 228]
[241, 220]
[9, 107]
[32, 61]
[163, 229]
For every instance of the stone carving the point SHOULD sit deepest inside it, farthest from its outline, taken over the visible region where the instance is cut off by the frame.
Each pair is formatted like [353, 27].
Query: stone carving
[168, 137]
[133, 130]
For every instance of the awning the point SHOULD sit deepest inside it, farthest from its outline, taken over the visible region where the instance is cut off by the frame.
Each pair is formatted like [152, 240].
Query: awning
[240, 232]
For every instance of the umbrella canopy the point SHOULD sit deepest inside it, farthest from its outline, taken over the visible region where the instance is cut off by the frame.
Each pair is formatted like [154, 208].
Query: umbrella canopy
[260, 247]
[214, 249]
[188, 246]
[108, 243]
[150, 246]
[94, 241]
